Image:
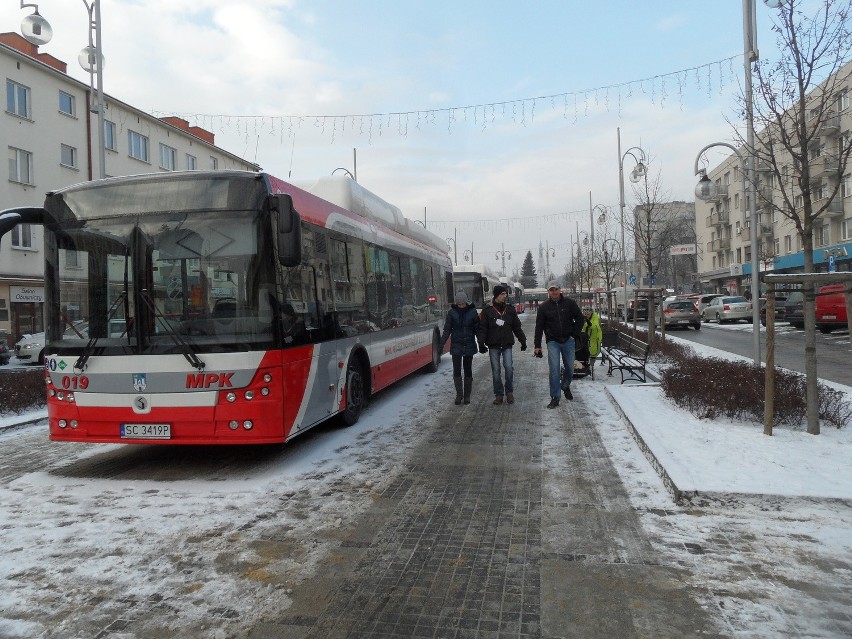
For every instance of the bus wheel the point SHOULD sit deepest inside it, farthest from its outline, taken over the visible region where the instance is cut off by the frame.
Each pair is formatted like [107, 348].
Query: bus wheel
[432, 366]
[355, 393]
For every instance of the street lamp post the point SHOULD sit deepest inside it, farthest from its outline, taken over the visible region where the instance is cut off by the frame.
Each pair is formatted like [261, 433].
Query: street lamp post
[707, 190]
[454, 240]
[636, 174]
[503, 255]
[38, 31]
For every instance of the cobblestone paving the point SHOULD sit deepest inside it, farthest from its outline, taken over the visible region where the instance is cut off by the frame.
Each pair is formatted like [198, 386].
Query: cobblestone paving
[507, 522]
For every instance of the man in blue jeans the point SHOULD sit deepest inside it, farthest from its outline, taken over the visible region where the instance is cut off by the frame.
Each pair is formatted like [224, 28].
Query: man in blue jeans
[498, 327]
[561, 321]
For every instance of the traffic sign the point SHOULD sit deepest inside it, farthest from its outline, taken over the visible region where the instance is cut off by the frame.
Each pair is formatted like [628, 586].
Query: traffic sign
[832, 265]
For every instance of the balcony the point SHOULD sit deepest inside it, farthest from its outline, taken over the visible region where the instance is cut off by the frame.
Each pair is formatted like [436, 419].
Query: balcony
[825, 165]
[835, 207]
[829, 127]
[719, 217]
[720, 244]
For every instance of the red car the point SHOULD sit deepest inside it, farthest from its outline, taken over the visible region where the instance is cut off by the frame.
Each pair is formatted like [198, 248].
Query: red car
[831, 308]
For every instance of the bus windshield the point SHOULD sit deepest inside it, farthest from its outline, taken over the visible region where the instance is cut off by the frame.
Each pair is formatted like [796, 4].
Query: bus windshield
[146, 278]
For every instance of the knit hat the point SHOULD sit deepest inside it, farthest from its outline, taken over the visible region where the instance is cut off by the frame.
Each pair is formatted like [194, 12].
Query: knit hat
[499, 290]
[461, 297]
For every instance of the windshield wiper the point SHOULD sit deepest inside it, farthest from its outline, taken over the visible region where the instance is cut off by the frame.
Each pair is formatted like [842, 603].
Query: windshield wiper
[80, 364]
[186, 349]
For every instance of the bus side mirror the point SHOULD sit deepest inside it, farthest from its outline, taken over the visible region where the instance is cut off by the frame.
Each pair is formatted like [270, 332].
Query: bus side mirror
[10, 218]
[289, 230]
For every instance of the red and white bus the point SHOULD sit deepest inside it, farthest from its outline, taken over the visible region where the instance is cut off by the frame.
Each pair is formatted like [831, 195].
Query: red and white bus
[228, 307]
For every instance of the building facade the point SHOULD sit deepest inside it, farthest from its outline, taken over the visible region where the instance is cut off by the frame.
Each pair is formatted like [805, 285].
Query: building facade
[724, 224]
[50, 137]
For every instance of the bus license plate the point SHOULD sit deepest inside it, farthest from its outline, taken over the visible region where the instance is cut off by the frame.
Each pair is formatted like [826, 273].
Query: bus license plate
[146, 431]
[829, 317]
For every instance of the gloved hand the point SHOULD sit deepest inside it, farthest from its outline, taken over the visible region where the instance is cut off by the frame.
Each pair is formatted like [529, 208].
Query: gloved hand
[524, 346]
[537, 353]
[483, 348]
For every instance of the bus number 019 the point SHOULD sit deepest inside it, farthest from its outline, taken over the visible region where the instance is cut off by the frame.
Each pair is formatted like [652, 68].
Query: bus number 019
[74, 382]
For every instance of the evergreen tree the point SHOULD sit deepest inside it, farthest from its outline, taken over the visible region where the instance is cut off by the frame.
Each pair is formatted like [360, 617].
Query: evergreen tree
[528, 274]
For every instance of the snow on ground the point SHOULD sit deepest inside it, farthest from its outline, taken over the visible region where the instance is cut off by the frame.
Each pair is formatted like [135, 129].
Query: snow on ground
[73, 544]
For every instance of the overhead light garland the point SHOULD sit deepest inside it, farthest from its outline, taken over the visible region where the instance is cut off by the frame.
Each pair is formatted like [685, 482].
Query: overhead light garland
[573, 104]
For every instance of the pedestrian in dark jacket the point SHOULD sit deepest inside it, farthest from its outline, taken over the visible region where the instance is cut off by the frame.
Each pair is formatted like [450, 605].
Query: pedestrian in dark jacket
[498, 327]
[460, 328]
[560, 320]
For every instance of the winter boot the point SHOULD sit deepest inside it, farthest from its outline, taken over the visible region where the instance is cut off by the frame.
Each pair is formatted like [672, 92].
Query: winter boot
[468, 386]
[458, 382]
[510, 398]
[498, 400]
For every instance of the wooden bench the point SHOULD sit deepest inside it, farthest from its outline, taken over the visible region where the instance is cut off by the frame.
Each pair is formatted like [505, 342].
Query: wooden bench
[629, 355]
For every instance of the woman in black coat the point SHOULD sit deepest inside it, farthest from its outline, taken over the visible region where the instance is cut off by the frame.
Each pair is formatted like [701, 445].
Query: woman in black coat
[460, 328]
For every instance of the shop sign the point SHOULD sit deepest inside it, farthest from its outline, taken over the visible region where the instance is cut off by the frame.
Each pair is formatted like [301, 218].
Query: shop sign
[27, 294]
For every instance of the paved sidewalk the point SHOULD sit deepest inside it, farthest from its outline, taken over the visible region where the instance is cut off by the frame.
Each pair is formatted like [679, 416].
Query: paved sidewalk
[507, 521]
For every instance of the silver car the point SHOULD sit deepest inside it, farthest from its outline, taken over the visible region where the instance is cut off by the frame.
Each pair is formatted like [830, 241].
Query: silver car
[681, 313]
[728, 309]
[704, 301]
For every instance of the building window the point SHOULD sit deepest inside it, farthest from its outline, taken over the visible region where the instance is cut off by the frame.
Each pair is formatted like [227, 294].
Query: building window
[821, 236]
[846, 185]
[191, 162]
[17, 99]
[66, 104]
[820, 192]
[739, 255]
[109, 136]
[20, 166]
[22, 236]
[137, 145]
[788, 244]
[800, 200]
[843, 100]
[214, 163]
[68, 156]
[776, 246]
[168, 157]
[846, 229]
[72, 258]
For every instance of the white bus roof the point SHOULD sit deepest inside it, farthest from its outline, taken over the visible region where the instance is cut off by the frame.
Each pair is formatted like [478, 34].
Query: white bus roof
[349, 194]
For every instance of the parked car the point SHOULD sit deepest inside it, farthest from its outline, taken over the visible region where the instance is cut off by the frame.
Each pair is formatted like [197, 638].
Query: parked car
[30, 348]
[794, 309]
[703, 301]
[831, 308]
[5, 353]
[780, 301]
[640, 310]
[681, 313]
[728, 309]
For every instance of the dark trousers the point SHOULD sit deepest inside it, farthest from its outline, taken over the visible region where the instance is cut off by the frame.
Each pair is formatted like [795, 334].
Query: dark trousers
[462, 360]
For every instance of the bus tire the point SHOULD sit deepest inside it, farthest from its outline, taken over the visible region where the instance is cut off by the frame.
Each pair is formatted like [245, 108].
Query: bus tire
[432, 366]
[356, 397]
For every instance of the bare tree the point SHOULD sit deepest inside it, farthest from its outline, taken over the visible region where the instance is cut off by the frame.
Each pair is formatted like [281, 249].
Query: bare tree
[800, 151]
[651, 222]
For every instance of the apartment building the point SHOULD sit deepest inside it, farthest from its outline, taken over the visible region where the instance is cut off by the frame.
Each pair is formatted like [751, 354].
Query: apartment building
[724, 224]
[50, 137]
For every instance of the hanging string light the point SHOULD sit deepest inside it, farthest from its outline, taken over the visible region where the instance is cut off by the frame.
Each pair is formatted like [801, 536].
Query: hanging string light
[521, 111]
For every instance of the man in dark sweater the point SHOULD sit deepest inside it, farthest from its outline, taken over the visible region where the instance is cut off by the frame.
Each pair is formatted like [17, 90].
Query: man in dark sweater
[561, 321]
[498, 327]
